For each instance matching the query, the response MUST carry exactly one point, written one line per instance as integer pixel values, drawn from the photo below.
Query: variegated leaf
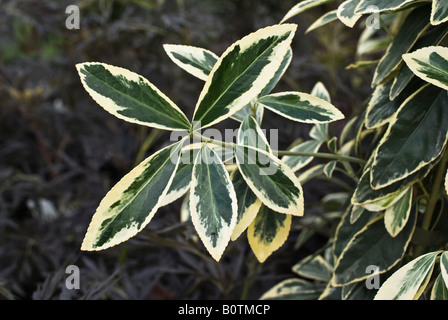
(430, 64)
(301, 107)
(272, 181)
(408, 282)
(196, 61)
(182, 177)
(346, 13)
(346, 230)
(439, 290)
(366, 246)
(439, 12)
(444, 267)
(213, 203)
(268, 232)
(415, 137)
(130, 205)
(320, 91)
(314, 267)
(377, 6)
(241, 73)
(396, 216)
(323, 20)
(432, 37)
(248, 204)
(413, 27)
(130, 97)
(446, 182)
(303, 6)
(385, 202)
(250, 134)
(298, 162)
(294, 289)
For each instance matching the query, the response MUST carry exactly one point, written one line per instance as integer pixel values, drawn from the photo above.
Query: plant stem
(426, 223)
(286, 152)
(320, 155)
(434, 197)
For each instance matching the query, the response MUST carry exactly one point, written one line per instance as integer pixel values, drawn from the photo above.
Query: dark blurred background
(60, 152)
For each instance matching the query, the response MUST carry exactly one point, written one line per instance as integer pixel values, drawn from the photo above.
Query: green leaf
(413, 27)
(439, 12)
(301, 107)
(298, 162)
(314, 267)
(268, 232)
(377, 6)
(130, 205)
(430, 64)
(444, 267)
(294, 289)
(396, 216)
(432, 37)
(346, 13)
(213, 203)
(272, 181)
(248, 204)
(439, 290)
(320, 91)
(323, 20)
(366, 246)
(303, 6)
(130, 97)
(196, 61)
(408, 282)
(346, 230)
(414, 138)
(241, 73)
(329, 168)
(250, 134)
(241, 114)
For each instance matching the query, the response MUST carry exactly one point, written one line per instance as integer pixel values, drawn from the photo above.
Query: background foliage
(60, 153)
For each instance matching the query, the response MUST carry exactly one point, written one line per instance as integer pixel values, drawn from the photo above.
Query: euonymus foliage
(260, 192)
(393, 220)
(394, 229)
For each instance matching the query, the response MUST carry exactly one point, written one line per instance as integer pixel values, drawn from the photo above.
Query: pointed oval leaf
(396, 216)
(297, 163)
(130, 97)
(314, 267)
(294, 289)
(303, 6)
(130, 205)
(301, 107)
(196, 61)
(272, 181)
(377, 6)
(413, 27)
(268, 232)
(408, 282)
(213, 204)
(320, 91)
(366, 246)
(346, 13)
(430, 64)
(414, 138)
(242, 72)
(439, 290)
(444, 267)
(439, 12)
(323, 20)
(250, 134)
(248, 204)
